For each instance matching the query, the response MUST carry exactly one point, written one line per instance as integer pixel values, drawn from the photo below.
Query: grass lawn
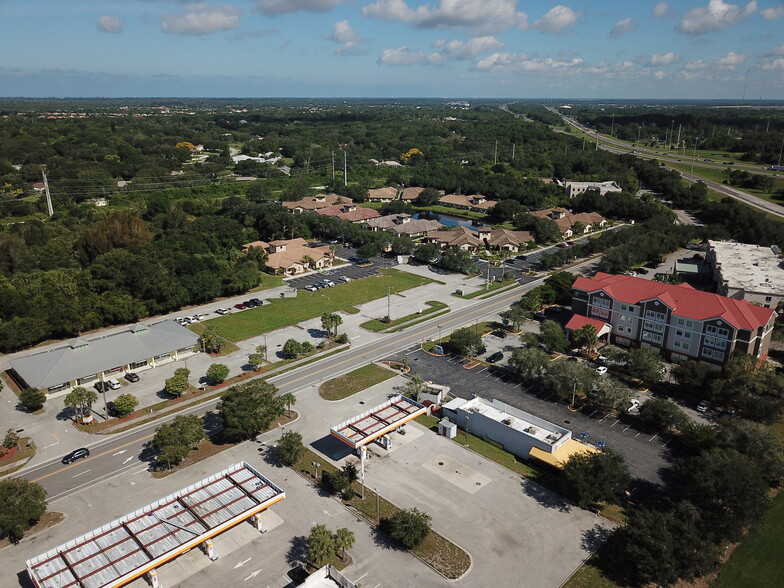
(283, 312)
(377, 326)
(757, 560)
(353, 382)
(589, 576)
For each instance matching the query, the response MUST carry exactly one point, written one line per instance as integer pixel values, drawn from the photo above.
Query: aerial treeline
(751, 134)
(74, 274)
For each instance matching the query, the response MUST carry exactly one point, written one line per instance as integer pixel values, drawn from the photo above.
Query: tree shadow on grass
(545, 497)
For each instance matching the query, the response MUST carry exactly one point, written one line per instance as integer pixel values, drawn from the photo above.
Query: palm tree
(343, 539)
(289, 400)
(321, 544)
(80, 400)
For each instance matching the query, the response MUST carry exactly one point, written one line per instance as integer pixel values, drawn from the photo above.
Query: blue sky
(393, 48)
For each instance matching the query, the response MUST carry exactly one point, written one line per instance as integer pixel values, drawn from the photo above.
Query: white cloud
(345, 36)
(403, 56)
(777, 50)
(623, 27)
(730, 60)
(109, 24)
(773, 59)
(559, 20)
(525, 63)
(458, 50)
(659, 59)
(278, 7)
(661, 10)
(717, 15)
(201, 19)
(773, 13)
(480, 18)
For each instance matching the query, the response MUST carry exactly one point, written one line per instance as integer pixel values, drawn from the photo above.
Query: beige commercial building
(747, 272)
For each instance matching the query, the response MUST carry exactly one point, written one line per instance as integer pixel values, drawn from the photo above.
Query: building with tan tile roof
(476, 202)
(403, 224)
(387, 194)
(293, 256)
(460, 237)
(349, 212)
(316, 202)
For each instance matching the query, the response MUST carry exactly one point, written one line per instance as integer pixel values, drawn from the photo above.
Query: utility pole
(345, 168)
(612, 126)
(693, 157)
(672, 132)
(678, 142)
(638, 134)
(780, 150)
(48, 195)
(389, 292)
(513, 146)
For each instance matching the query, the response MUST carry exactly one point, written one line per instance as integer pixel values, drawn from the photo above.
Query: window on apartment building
(655, 316)
(623, 341)
(680, 345)
(658, 327)
(681, 334)
(623, 329)
(681, 322)
(711, 330)
(602, 302)
(627, 308)
(768, 298)
(653, 337)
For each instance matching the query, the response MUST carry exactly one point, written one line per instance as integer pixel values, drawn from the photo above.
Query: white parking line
(82, 473)
(482, 370)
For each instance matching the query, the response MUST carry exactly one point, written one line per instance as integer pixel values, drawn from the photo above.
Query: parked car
(240, 306)
(345, 279)
(522, 257)
(222, 311)
(500, 333)
(601, 370)
(497, 356)
(634, 404)
(540, 316)
(81, 453)
(113, 384)
(256, 301)
(131, 377)
(602, 359)
(101, 386)
(703, 406)
(328, 283)
(563, 245)
(198, 316)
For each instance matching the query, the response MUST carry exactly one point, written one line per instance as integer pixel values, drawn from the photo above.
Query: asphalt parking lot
(645, 452)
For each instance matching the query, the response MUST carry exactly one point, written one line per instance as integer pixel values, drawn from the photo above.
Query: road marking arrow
(127, 459)
(326, 512)
(119, 452)
(252, 575)
(242, 563)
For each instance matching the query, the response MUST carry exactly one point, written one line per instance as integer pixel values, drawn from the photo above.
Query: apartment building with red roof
(679, 321)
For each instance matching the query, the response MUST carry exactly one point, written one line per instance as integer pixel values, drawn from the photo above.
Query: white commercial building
(747, 272)
(576, 188)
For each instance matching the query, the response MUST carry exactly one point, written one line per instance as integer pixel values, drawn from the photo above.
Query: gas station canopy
(126, 548)
(376, 422)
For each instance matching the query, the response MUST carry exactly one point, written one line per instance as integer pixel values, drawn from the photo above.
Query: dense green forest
(171, 232)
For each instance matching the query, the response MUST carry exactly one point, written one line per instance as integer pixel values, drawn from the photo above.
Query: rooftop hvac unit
(532, 430)
(507, 421)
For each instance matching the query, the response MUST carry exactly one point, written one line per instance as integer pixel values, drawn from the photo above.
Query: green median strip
(353, 382)
(377, 325)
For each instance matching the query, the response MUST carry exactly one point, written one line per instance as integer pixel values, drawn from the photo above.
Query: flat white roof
(372, 424)
(752, 268)
(516, 419)
(126, 548)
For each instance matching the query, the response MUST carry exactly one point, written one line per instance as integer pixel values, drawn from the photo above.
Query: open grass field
(757, 561)
(353, 382)
(283, 312)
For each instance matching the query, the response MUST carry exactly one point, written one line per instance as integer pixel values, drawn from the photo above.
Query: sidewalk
(54, 434)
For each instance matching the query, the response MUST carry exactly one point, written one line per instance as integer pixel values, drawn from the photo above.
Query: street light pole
(439, 334)
(378, 507)
(265, 348)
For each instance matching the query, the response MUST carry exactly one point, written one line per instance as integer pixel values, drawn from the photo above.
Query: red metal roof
(684, 300)
(579, 321)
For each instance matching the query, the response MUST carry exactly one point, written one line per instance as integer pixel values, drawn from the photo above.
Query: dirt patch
(49, 519)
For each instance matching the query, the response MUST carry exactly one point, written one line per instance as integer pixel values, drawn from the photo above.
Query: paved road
(621, 147)
(117, 453)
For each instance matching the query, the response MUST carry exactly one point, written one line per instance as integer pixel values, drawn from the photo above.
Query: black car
(102, 386)
(131, 377)
(76, 454)
(255, 302)
(500, 333)
(497, 356)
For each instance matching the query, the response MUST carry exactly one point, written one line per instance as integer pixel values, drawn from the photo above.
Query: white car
(634, 404)
(601, 370)
(198, 316)
(345, 279)
(113, 384)
(222, 311)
